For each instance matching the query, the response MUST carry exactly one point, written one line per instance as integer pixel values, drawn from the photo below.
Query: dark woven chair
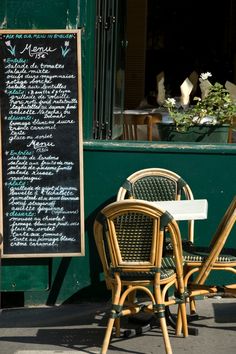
(157, 184)
(129, 237)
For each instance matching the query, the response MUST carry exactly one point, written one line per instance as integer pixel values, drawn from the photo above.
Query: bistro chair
(157, 184)
(129, 238)
(201, 261)
(132, 122)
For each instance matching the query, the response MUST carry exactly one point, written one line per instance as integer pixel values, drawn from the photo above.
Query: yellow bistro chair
(129, 238)
(159, 184)
(201, 261)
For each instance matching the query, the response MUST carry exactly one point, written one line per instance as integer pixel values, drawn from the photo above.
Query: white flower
(8, 43)
(67, 44)
(208, 120)
(204, 76)
(171, 101)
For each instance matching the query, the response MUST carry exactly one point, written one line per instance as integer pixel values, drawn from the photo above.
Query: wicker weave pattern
(165, 273)
(168, 263)
(154, 188)
(201, 257)
(198, 254)
(157, 184)
(134, 235)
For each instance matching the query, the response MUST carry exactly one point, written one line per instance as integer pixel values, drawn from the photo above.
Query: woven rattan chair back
(129, 237)
(130, 229)
(157, 184)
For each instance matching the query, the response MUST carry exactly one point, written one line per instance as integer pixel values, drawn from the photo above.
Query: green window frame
(109, 63)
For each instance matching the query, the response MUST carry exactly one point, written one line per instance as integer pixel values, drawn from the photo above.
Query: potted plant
(208, 120)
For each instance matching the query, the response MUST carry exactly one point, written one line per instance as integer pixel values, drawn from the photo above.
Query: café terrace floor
(80, 328)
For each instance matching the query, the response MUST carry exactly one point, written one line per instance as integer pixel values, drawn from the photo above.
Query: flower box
(202, 133)
(216, 107)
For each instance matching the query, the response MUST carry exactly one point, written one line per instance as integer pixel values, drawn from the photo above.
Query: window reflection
(180, 40)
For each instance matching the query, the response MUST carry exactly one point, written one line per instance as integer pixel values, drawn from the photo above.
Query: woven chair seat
(200, 254)
(165, 273)
(167, 270)
(168, 262)
(197, 254)
(193, 253)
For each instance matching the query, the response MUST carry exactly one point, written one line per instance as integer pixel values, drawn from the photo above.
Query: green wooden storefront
(209, 169)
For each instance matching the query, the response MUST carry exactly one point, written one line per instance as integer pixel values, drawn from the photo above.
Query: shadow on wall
(97, 288)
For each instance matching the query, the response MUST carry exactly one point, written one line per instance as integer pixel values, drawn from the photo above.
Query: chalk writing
(37, 52)
(40, 142)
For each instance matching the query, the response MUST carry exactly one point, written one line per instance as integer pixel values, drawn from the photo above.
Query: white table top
(165, 115)
(195, 209)
(139, 111)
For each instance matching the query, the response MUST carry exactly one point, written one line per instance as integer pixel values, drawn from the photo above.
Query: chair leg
(178, 324)
(107, 337)
(117, 327)
(183, 324)
(186, 329)
(192, 306)
(165, 335)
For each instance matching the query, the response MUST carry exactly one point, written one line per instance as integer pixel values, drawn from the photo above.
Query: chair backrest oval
(132, 234)
(157, 184)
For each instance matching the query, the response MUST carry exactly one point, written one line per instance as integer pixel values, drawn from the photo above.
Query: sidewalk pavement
(80, 329)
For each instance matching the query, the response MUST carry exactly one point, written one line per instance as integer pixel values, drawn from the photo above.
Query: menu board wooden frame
(42, 204)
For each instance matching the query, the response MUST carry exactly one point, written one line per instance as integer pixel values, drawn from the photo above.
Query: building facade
(107, 159)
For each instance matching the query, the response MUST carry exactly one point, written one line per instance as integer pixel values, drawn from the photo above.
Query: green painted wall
(209, 170)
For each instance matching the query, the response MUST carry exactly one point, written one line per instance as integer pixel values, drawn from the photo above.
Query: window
(136, 40)
(109, 71)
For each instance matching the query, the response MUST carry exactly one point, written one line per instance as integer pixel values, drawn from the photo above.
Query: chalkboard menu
(41, 143)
